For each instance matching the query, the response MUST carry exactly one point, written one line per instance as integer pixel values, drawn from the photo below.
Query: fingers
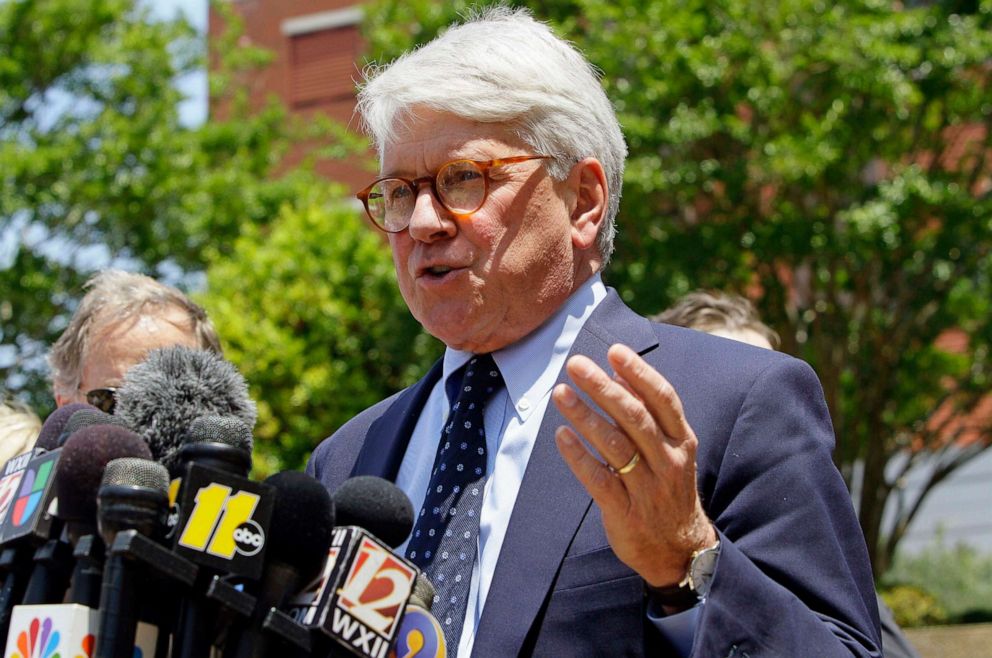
(657, 393)
(611, 443)
(605, 488)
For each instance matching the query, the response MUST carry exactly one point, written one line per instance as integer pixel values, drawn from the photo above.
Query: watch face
(701, 570)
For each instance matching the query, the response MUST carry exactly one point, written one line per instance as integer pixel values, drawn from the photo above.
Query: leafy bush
(912, 606)
(958, 577)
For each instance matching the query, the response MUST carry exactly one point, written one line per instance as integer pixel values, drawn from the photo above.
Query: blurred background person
(120, 319)
(19, 427)
(733, 316)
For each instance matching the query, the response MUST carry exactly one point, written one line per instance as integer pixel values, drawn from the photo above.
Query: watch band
(693, 587)
(682, 597)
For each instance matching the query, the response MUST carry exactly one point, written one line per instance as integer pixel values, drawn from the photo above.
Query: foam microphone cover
(48, 438)
(84, 457)
(302, 521)
(377, 505)
(172, 387)
(85, 418)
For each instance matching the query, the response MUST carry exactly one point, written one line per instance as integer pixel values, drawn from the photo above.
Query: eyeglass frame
(101, 405)
(483, 165)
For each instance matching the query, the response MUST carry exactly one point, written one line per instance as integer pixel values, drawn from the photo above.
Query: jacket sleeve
(793, 577)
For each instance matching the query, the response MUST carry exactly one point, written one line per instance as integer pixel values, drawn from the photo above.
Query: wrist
(694, 585)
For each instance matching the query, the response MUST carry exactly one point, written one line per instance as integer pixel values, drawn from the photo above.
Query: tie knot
(480, 378)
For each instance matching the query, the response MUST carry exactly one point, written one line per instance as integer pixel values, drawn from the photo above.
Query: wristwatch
(695, 586)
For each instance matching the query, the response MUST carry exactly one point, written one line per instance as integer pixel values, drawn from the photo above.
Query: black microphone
(377, 505)
(163, 395)
(299, 536)
(365, 594)
(84, 458)
(133, 496)
(53, 560)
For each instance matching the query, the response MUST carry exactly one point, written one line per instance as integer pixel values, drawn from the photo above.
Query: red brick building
(317, 47)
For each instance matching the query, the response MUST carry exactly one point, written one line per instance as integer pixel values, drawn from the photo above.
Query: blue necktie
(446, 534)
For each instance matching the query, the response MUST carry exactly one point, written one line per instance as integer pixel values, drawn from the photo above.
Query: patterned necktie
(446, 534)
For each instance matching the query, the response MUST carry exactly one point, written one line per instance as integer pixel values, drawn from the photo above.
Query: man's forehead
(429, 143)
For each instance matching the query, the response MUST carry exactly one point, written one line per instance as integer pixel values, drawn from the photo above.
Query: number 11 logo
(220, 524)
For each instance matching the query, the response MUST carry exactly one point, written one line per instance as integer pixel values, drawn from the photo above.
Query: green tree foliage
(96, 165)
(830, 160)
(310, 312)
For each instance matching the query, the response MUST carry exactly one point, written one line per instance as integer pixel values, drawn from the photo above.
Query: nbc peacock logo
(39, 641)
(88, 644)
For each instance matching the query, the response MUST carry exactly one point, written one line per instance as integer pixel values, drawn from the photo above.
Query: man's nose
(430, 220)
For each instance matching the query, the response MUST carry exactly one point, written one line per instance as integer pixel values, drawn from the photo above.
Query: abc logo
(249, 538)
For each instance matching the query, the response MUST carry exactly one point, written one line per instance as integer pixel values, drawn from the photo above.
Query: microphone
(53, 560)
(133, 496)
(87, 418)
(223, 526)
(48, 437)
(80, 463)
(84, 458)
(367, 589)
(162, 396)
(377, 505)
(299, 536)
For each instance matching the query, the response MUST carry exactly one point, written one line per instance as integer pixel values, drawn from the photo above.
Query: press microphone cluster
(141, 533)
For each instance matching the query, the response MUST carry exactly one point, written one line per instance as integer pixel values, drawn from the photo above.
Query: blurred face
(117, 347)
(482, 282)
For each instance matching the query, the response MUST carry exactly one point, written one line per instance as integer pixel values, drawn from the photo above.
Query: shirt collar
(530, 366)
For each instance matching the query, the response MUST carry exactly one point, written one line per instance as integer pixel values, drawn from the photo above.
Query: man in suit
(622, 487)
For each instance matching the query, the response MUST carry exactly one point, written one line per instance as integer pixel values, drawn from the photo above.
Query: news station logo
(222, 520)
(13, 471)
(221, 523)
(370, 601)
(419, 636)
(27, 511)
(303, 607)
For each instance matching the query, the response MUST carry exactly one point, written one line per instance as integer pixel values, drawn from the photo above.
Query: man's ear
(587, 181)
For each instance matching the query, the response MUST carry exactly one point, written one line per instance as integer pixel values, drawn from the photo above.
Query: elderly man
(599, 485)
(121, 318)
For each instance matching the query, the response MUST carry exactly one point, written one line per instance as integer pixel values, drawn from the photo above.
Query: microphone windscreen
(54, 425)
(84, 457)
(86, 418)
(172, 387)
(302, 521)
(423, 592)
(136, 472)
(376, 505)
(220, 429)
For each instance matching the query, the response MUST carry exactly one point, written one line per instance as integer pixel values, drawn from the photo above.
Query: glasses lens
(103, 399)
(462, 186)
(390, 203)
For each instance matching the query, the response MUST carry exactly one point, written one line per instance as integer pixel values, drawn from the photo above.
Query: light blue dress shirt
(530, 368)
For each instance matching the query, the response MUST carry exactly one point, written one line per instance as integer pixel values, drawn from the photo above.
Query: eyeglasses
(104, 399)
(460, 186)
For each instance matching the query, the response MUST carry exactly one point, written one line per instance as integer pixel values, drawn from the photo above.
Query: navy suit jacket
(793, 578)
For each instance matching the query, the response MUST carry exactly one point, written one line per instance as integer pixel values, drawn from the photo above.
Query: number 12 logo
(221, 524)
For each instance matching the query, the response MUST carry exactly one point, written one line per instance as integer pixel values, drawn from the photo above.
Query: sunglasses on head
(104, 399)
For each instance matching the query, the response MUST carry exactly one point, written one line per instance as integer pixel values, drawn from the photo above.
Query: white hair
(19, 428)
(502, 66)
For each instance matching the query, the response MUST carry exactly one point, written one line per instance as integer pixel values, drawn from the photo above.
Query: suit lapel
(387, 437)
(551, 503)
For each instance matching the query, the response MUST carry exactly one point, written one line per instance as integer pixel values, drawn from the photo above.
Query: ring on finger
(629, 466)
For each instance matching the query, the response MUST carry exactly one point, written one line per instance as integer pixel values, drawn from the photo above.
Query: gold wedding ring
(629, 466)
